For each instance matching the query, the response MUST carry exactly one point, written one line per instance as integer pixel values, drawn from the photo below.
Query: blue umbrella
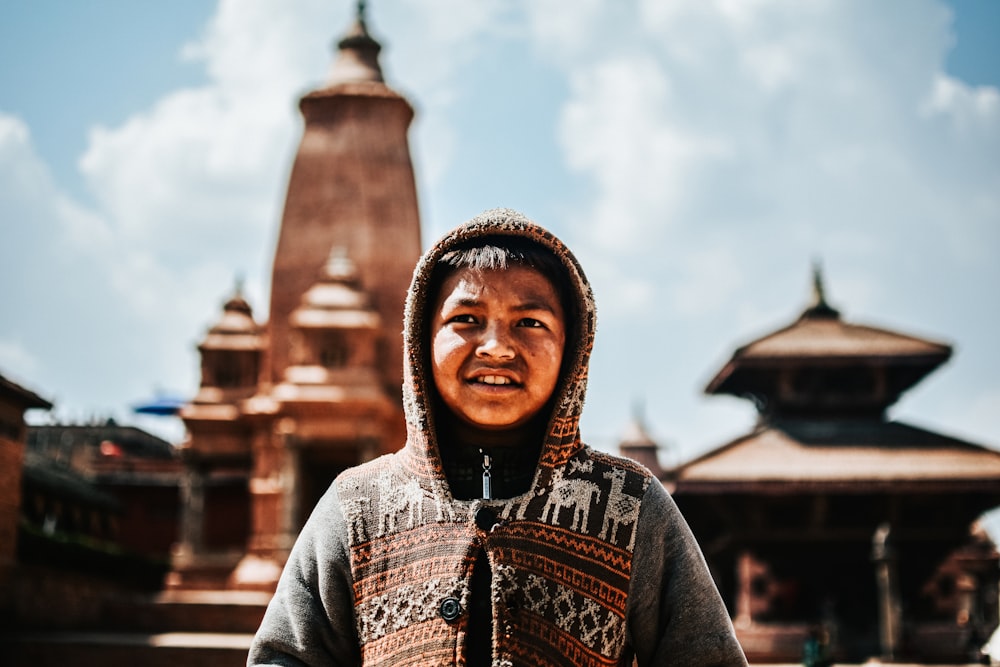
(166, 406)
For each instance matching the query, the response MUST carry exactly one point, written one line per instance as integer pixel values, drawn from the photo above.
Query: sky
(698, 156)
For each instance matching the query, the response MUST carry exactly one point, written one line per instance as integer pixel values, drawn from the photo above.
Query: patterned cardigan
(593, 565)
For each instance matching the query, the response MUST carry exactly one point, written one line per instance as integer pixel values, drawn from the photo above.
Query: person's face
(497, 341)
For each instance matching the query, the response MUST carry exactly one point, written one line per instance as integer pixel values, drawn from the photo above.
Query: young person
(495, 536)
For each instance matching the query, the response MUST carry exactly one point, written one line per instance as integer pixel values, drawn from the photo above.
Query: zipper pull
(487, 475)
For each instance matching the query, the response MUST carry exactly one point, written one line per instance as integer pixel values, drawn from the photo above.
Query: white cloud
(24, 174)
(266, 49)
(972, 109)
(710, 279)
(617, 128)
(41, 224)
(198, 176)
(75, 309)
(568, 35)
(713, 148)
(752, 137)
(451, 26)
(188, 193)
(799, 125)
(195, 173)
(16, 360)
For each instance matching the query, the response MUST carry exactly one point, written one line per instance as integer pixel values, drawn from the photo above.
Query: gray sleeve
(674, 614)
(310, 619)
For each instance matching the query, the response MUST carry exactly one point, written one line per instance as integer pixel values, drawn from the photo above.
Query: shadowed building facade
(830, 517)
(14, 401)
(285, 406)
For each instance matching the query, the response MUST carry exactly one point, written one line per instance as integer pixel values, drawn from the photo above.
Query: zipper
(487, 475)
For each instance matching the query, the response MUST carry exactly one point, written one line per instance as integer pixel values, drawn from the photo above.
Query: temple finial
(237, 301)
(639, 410)
(819, 308)
(357, 53)
(819, 293)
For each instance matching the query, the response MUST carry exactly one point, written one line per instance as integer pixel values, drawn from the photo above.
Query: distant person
(495, 537)
(814, 653)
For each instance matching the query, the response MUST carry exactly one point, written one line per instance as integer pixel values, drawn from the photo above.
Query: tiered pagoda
(833, 520)
(286, 405)
(636, 443)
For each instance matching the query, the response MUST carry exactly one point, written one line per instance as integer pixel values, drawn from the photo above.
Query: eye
(463, 318)
(532, 323)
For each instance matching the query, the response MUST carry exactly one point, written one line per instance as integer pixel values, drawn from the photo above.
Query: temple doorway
(319, 465)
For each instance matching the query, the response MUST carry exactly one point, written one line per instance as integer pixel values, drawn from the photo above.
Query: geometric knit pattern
(561, 563)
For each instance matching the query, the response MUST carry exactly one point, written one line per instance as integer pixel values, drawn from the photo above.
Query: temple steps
(191, 628)
(227, 612)
(69, 649)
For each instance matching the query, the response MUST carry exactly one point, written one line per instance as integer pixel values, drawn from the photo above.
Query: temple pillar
(889, 615)
(747, 568)
(272, 492)
(192, 528)
(291, 501)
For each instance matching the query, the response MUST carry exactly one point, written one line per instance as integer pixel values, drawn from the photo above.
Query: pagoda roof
(852, 455)
(638, 445)
(15, 394)
(132, 440)
(336, 300)
(820, 337)
(64, 482)
(236, 328)
(829, 338)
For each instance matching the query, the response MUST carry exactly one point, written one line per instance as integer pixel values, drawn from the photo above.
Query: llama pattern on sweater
(561, 558)
(621, 509)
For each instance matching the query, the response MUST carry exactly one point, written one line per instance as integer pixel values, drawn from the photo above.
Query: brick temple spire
(357, 56)
(351, 186)
(332, 395)
(328, 394)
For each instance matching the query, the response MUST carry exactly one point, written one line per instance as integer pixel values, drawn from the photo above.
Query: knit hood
(562, 433)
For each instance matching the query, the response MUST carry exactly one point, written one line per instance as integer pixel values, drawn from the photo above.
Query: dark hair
(497, 253)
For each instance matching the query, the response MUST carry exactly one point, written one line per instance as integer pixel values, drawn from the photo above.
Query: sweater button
(486, 518)
(450, 609)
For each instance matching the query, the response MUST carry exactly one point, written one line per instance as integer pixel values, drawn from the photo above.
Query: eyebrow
(535, 305)
(532, 304)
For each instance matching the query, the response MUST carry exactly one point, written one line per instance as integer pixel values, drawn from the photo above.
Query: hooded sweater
(592, 565)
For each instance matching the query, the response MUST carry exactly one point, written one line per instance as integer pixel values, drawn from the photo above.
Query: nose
(495, 343)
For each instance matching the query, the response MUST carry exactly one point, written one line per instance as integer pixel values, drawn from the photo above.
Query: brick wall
(11, 461)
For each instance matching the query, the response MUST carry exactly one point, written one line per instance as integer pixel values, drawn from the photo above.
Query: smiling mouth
(495, 380)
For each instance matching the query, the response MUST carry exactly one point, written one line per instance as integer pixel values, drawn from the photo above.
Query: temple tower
(330, 395)
(322, 390)
(636, 443)
(214, 500)
(351, 186)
